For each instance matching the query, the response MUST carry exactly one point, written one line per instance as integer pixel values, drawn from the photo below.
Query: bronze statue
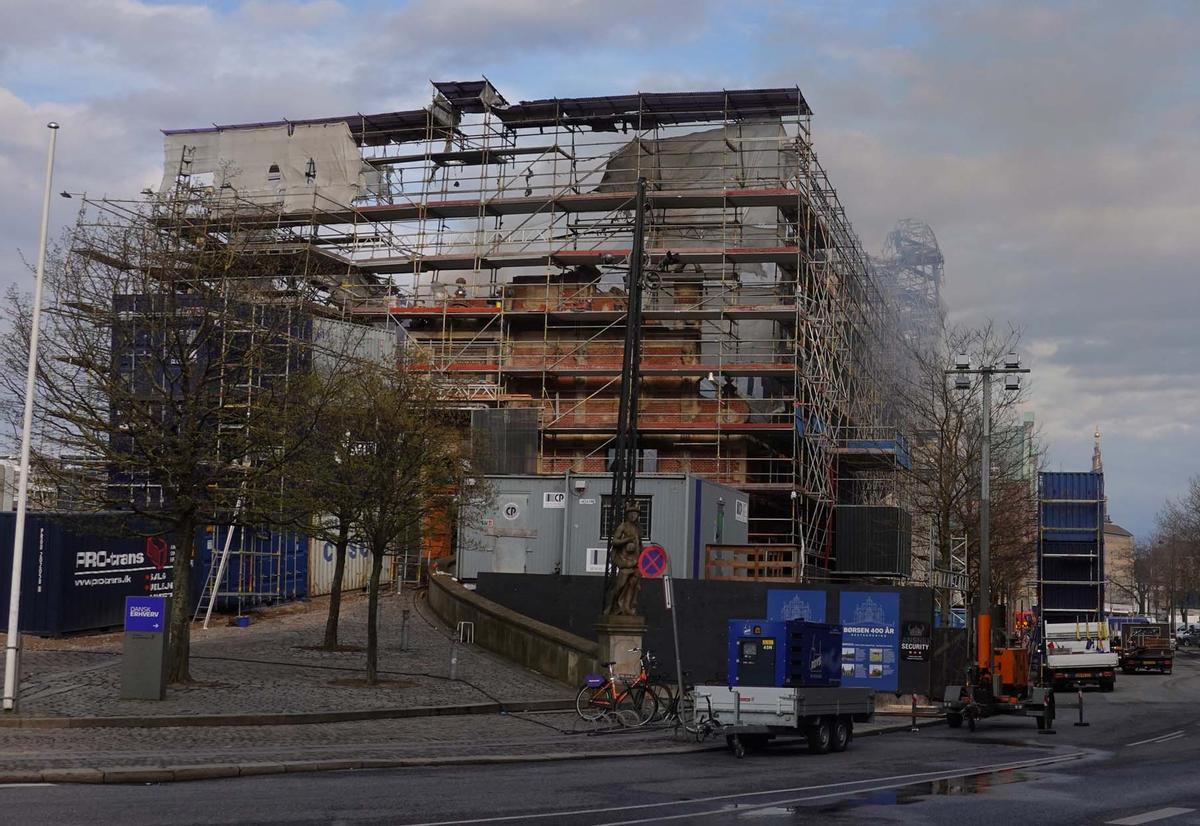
(626, 548)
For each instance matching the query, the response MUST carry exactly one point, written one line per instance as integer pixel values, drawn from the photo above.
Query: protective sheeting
(335, 342)
(749, 155)
(293, 166)
(738, 155)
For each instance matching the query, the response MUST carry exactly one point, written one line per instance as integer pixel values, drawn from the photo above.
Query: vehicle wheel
(593, 703)
(954, 719)
(841, 734)
(820, 737)
(1108, 685)
(665, 697)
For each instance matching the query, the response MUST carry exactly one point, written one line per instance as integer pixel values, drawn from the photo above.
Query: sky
(1054, 148)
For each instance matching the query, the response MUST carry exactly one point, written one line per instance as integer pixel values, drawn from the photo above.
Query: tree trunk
(335, 591)
(181, 619)
(373, 616)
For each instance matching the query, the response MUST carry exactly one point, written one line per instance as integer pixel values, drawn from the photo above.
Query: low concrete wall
(543, 648)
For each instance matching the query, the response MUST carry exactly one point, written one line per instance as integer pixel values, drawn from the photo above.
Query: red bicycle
(632, 703)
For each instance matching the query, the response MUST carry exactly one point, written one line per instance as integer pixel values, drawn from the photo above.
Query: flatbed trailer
(1146, 647)
(750, 716)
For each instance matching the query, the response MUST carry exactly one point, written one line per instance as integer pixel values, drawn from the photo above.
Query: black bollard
(914, 714)
(1079, 694)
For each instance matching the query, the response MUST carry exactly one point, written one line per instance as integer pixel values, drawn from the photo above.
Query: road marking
(907, 779)
(23, 785)
(1150, 817)
(1169, 736)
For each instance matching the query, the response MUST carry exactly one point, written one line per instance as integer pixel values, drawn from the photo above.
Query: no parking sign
(653, 561)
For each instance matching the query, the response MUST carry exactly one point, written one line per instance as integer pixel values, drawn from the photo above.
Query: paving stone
(271, 668)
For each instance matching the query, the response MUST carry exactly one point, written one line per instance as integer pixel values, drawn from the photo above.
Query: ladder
(216, 573)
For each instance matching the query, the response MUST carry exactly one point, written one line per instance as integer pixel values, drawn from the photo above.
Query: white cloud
(1052, 149)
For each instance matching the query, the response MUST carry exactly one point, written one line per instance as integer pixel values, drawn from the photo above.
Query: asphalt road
(1137, 762)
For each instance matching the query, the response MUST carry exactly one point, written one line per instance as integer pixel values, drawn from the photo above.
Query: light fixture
(962, 383)
(962, 362)
(1012, 361)
(1012, 382)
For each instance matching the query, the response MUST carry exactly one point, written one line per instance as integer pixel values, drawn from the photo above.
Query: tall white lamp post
(12, 645)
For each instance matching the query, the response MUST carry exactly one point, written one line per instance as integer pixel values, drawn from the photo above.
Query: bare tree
(1174, 556)
(167, 348)
(946, 452)
(410, 452)
(327, 496)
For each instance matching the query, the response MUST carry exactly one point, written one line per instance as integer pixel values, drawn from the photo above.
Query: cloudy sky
(1055, 149)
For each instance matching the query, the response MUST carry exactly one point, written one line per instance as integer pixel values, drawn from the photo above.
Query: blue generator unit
(784, 653)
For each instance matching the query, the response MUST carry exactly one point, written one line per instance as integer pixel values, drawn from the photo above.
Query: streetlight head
(1012, 361)
(1012, 382)
(962, 383)
(962, 362)
(52, 125)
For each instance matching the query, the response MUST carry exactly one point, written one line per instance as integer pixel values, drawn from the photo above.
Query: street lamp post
(12, 645)
(962, 371)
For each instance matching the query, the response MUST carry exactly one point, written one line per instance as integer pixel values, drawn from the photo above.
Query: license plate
(1085, 674)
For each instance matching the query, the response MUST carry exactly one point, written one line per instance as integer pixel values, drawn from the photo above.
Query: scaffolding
(493, 239)
(197, 254)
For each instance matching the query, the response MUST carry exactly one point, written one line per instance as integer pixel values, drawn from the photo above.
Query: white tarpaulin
(285, 165)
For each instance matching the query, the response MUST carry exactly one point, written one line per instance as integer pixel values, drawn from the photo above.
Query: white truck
(1078, 654)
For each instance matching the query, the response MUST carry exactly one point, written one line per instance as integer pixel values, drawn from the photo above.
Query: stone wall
(543, 648)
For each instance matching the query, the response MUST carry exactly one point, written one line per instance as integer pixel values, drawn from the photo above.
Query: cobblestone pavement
(533, 734)
(271, 667)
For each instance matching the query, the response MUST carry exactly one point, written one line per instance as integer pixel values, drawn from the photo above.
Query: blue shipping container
(1071, 546)
(265, 567)
(1085, 485)
(77, 569)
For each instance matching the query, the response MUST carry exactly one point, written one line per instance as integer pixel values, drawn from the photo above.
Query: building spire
(1098, 467)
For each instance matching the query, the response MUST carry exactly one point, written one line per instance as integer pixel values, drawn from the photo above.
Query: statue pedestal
(617, 634)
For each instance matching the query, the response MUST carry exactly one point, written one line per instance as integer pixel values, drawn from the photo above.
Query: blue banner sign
(146, 614)
(870, 639)
(796, 605)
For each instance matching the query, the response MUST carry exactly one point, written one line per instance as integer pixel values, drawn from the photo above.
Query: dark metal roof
(647, 109)
(642, 110)
(370, 130)
(474, 96)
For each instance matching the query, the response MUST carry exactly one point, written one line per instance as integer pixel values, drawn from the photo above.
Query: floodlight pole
(12, 643)
(984, 617)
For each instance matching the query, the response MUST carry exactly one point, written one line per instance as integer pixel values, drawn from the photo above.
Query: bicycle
(691, 710)
(602, 696)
